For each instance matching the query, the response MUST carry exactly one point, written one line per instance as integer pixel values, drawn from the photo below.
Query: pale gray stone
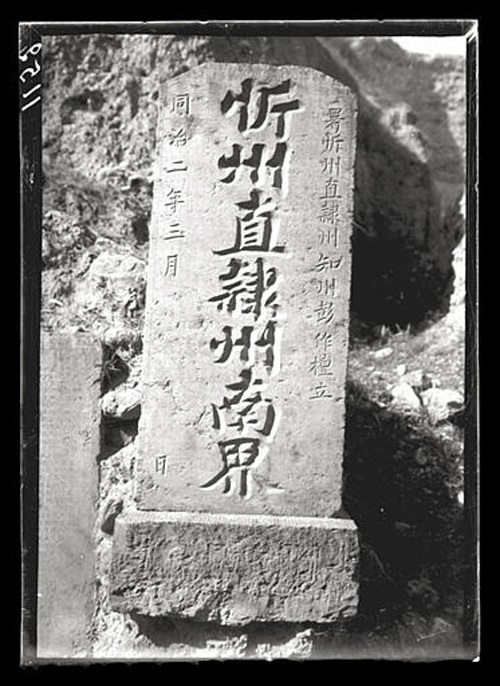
(235, 569)
(121, 403)
(196, 215)
(112, 280)
(123, 269)
(69, 445)
(111, 510)
(405, 398)
(382, 353)
(241, 434)
(441, 403)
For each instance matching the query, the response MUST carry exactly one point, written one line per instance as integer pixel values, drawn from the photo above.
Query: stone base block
(235, 569)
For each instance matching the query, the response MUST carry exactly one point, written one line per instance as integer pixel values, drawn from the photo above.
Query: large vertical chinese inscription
(248, 292)
(247, 419)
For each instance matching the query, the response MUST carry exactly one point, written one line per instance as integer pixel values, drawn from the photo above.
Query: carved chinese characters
(248, 293)
(247, 419)
(330, 259)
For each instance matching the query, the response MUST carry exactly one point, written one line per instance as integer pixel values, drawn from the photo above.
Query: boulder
(121, 404)
(382, 353)
(404, 398)
(441, 403)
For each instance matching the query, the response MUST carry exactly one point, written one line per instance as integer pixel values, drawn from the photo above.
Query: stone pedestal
(241, 437)
(235, 569)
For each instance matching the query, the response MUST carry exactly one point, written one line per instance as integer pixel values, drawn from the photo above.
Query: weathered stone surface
(69, 445)
(245, 356)
(111, 282)
(235, 569)
(216, 172)
(121, 403)
(405, 398)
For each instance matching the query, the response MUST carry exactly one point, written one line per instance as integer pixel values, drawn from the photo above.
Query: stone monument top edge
(255, 68)
(73, 339)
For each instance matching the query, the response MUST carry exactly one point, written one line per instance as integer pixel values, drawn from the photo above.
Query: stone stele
(245, 353)
(70, 370)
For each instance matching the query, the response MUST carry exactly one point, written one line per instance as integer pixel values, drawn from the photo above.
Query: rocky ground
(404, 425)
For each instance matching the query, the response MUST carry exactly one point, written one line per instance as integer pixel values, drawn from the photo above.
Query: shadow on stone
(115, 435)
(253, 640)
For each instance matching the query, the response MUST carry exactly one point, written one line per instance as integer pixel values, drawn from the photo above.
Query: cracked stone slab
(235, 569)
(70, 371)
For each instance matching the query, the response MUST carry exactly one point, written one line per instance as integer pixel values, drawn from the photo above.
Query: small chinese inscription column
(247, 317)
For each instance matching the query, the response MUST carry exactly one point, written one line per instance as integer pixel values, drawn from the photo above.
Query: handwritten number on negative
(32, 72)
(29, 73)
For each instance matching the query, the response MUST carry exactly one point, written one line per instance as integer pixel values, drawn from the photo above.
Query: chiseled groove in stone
(235, 569)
